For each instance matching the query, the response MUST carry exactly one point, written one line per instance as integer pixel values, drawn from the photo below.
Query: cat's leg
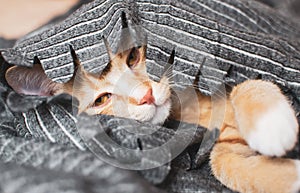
(242, 169)
(264, 117)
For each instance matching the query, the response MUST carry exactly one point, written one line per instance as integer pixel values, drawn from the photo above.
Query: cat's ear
(31, 81)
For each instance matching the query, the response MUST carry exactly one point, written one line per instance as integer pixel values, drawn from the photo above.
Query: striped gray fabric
(244, 34)
(183, 179)
(40, 153)
(54, 168)
(45, 141)
(41, 140)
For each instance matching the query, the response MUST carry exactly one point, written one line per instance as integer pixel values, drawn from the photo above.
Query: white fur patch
(162, 113)
(275, 132)
(296, 185)
(155, 113)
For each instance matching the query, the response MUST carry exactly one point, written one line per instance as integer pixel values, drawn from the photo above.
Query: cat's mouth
(161, 113)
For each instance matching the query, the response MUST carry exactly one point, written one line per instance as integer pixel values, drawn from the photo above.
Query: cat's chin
(162, 112)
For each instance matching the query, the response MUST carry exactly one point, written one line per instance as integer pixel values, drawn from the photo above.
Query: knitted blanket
(46, 147)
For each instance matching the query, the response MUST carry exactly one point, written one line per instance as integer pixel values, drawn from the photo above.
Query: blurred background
(290, 8)
(19, 17)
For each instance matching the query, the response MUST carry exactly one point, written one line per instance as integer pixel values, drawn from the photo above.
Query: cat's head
(122, 89)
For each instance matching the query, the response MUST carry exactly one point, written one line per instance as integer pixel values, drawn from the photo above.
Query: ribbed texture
(247, 35)
(41, 145)
(50, 167)
(46, 141)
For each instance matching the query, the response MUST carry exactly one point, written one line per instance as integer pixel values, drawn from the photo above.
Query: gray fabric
(41, 139)
(247, 35)
(56, 163)
(182, 179)
(49, 154)
(289, 8)
(6, 43)
(52, 168)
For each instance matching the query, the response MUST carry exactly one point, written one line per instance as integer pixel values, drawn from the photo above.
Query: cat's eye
(133, 58)
(102, 99)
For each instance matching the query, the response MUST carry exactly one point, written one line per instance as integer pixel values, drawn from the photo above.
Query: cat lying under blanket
(259, 124)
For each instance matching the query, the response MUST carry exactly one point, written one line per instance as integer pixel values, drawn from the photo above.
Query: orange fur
(242, 169)
(238, 166)
(233, 162)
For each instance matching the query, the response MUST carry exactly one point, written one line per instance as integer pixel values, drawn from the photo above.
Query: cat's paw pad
(275, 131)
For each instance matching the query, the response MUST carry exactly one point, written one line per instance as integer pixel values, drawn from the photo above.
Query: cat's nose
(148, 98)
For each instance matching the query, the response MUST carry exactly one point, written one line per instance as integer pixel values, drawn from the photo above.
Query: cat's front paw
(275, 131)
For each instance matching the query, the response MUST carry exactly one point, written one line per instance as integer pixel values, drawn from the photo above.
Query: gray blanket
(45, 147)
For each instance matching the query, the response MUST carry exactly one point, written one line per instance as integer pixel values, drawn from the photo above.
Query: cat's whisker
(188, 87)
(171, 75)
(168, 69)
(168, 72)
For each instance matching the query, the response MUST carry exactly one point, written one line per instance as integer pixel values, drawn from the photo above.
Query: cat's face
(123, 89)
